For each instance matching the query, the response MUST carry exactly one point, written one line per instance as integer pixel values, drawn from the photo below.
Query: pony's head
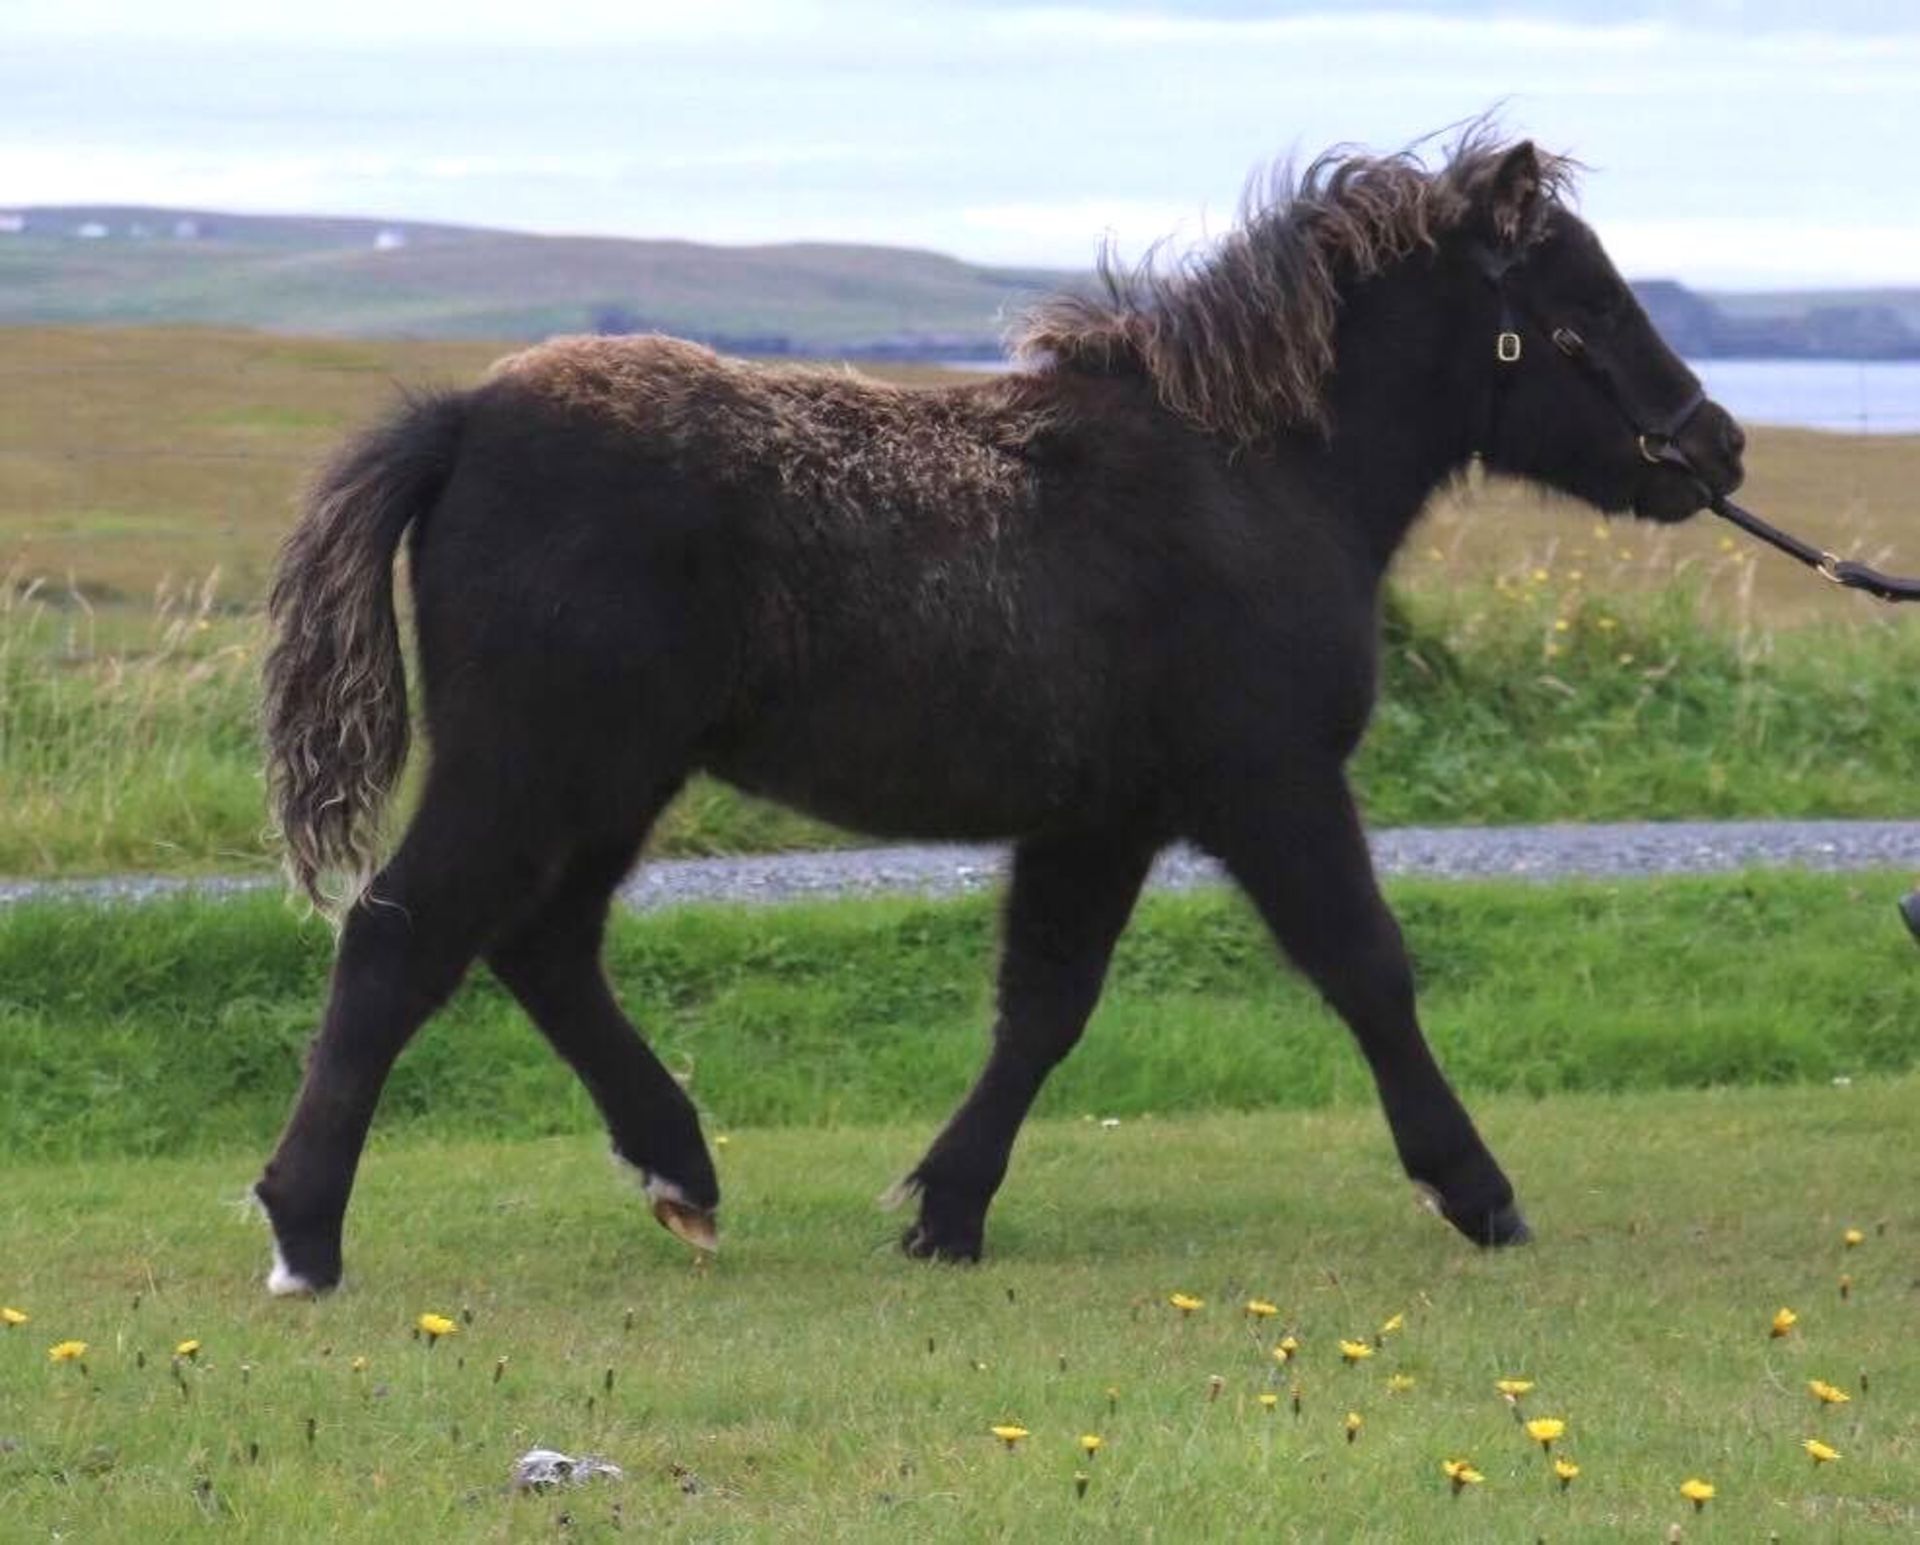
(1570, 384)
(1581, 394)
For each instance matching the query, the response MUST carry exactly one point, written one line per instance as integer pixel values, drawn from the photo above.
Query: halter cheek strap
(1495, 266)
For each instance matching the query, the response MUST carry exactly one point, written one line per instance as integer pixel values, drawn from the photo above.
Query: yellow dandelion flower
(66, 1351)
(1828, 1394)
(1820, 1452)
(1698, 1492)
(1461, 1474)
(1853, 1237)
(1355, 1421)
(1541, 576)
(1561, 625)
(189, 1348)
(1400, 1383)
(359, 1365)
(1545, 1429)
(13, 1317)
(1513, 1389)
(1398, 1322)
(721, 1140)
(1283, 1353)
(1625, 658)
(1186, 1303)
(1269, 1399)
(1726, 544)
(1606, 624)
(1008, 1434)
(1260, 1309)
(1090, 1443)
(1356, 1351)
(1783, 1321)
(434, 1326)
(1566, 1471)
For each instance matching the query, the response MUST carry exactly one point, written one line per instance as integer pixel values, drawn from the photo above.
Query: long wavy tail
(336, 721)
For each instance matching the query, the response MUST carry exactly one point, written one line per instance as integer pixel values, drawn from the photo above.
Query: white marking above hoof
(661, 1189)
(284, 1282)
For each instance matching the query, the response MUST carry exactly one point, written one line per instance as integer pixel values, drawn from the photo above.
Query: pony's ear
(1513, 195)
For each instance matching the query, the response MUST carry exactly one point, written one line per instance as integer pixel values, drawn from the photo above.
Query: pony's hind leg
(1302, 858)
(1069, 900)
(404, 947)
(551, 964)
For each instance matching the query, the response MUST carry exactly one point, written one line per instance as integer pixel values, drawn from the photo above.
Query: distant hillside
(1839, 324)
(371, 278)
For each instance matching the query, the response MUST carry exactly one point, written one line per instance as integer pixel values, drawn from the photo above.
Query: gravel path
(1522, 852)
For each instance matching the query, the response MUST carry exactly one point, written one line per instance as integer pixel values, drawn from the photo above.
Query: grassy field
(167, 1027)
(146, 478)
(812, 1384)
(134, 455)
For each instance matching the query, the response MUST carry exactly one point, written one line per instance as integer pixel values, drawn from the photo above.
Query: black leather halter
(1656, 434)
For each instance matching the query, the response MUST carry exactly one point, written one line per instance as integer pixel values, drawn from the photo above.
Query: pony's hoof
(923, 1242)
(1486, 1227)
(306, 1263)
(691, 1225)
(283, 1281)
(1504, 1226)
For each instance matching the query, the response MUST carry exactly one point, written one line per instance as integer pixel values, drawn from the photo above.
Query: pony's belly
(932, 782)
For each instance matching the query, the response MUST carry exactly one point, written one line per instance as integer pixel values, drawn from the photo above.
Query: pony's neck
(1402, 399)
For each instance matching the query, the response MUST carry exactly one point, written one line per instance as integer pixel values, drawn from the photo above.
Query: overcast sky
(1764, 145)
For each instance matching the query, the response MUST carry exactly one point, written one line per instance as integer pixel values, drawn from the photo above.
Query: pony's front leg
(1302, 858)
(1068, 901)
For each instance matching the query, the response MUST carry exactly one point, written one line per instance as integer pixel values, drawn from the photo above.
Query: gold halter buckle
(1506, 348)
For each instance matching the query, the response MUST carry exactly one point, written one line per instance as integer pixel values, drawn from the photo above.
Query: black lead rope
(1658, 438)
(1842, 571)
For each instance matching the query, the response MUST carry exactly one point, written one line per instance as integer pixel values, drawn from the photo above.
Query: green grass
(180, 1026)
(1542, 699)
(812, 1384)
(129, 746)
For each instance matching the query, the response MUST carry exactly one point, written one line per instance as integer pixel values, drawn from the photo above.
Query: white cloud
(1765, 252)
(1032, 232)
(451, 23)
(1000, 133)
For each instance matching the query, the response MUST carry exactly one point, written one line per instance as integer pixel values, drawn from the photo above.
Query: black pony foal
(1123, 597)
